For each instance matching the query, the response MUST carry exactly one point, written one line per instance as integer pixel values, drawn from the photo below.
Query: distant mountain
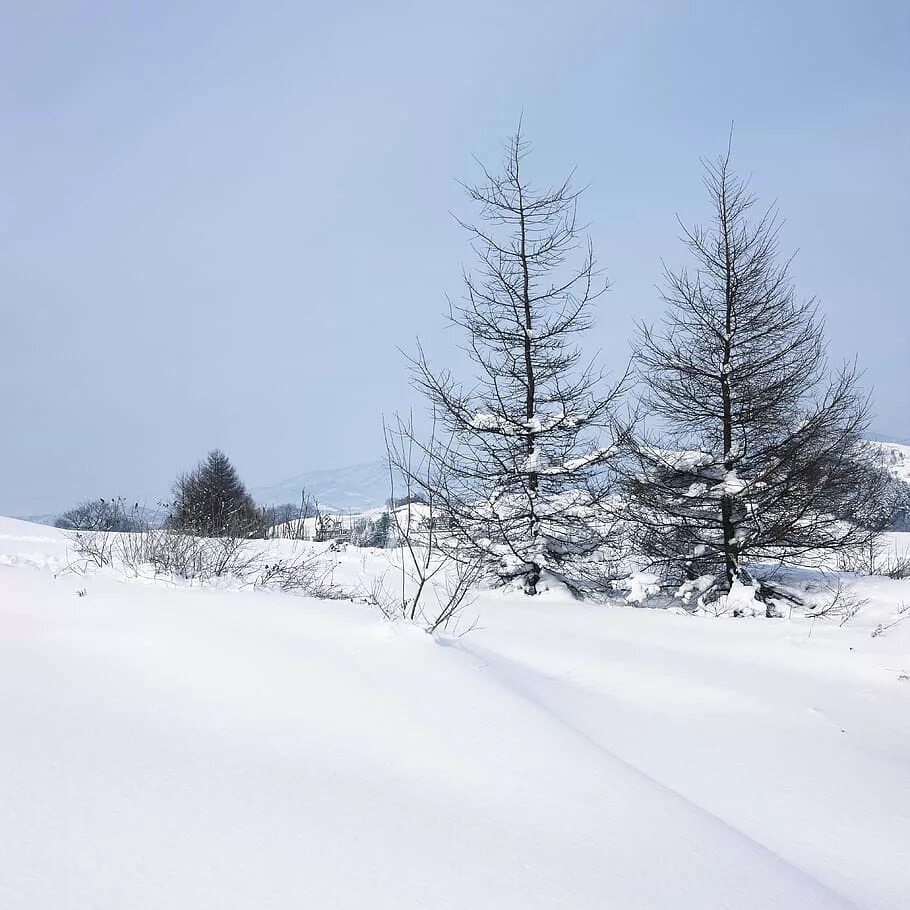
(358, 487)
(46, 519)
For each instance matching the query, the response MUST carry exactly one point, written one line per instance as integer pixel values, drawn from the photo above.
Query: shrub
(101, 515)
(372, 532)
(195, 558)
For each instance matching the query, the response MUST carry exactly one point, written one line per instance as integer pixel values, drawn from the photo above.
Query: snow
(730, 485)
(573, 465)
(743, 599)
(640, 586)
(695, 586)
(689, 460)
(896, 458)
(536, 424)
(483, 421)
(176, 746)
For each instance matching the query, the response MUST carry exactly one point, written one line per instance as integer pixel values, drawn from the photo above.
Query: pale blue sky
(218, 220)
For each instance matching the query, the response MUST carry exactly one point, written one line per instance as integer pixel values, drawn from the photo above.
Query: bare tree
(101, 515)
(416, 518)
(436, 574)
(762, 451)
(521, 467)
(288, 521)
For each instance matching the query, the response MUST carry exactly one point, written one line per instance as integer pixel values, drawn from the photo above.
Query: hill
(897, 459)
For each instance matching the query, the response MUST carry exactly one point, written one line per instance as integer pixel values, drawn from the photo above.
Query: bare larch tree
(762, 451)
(520, 465)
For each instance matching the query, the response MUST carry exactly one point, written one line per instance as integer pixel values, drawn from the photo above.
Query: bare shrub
(101, 515)
(435, 576)
(187, 556)
(380, 596)
(874, 558)
(456, 596)
(435, 607)
(94, 547)
(167, 552)
(415, 521)
(194, 558)
(841, 604)
(288, 522)
(903, 612)
(308, 574)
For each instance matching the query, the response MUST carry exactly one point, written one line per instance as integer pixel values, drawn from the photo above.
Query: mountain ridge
(365, 485)
(355, 487)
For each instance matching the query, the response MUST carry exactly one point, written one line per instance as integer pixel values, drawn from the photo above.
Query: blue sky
(219, 221)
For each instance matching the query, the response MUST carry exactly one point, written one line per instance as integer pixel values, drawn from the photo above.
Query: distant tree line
(211, 501)
(101, 515)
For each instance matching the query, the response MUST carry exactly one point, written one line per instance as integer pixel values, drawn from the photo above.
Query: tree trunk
(533, 575)
(728, 526)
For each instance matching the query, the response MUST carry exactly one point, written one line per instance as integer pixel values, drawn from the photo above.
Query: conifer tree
(521, 465)
(212, 501)
(761, 450)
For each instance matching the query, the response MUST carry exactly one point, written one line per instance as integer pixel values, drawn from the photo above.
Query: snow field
(177, 746)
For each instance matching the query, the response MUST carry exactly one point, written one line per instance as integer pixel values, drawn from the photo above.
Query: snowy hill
(897, 459)
(168, 745)
(356, 488)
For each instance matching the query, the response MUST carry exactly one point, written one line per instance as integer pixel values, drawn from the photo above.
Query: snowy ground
(167, 746)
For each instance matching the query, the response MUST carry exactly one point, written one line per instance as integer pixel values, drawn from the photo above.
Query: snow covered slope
(171, 746)
(896, 458)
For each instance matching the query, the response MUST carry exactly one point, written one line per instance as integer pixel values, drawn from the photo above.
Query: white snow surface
(169, 746)
(896, 458)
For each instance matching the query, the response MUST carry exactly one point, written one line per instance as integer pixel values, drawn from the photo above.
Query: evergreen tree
(372, 532)
(212, 501)
(379, 531)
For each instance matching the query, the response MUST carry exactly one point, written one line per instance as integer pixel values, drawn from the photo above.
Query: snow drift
(175, 746)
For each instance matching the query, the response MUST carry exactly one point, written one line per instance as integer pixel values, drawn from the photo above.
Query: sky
(219, 222)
